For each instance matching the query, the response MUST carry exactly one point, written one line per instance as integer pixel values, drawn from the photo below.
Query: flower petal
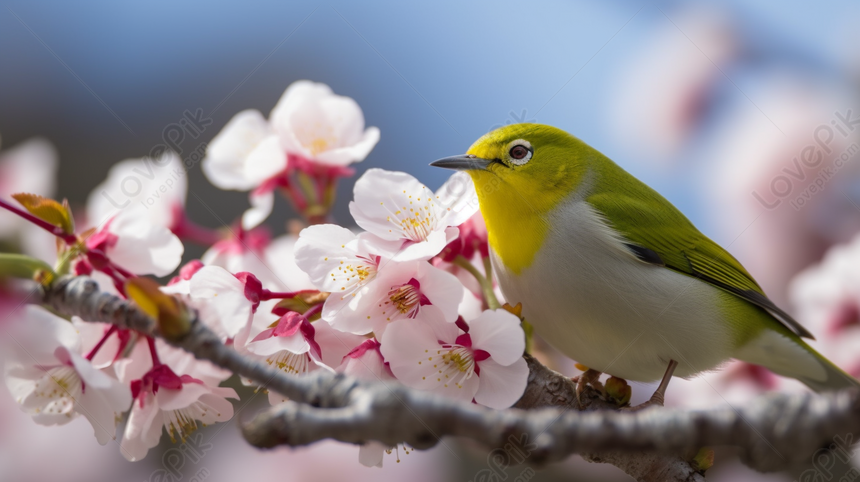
(265, 161)
(499, 333)
(458, 198)
(343, 156)
(221, 299)
(280, 257)
(295, 343)
(39, 335)
(433, 245)
(370, 454)
(334, 344)
(227, 152)
(144, 248)
(143, 428)
(442, 289)
(262, 201)
(501, 386)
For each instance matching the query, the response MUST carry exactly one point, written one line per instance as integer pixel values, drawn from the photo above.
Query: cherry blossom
(221, 298)
(54, 383)
(309, 126)
(413, 222)
(313, 122)
(230, 304)
(749, 158)
(247, 155)
(735, 382)
(174, 395)
(484, 364)
(413, 289)
(296, 346)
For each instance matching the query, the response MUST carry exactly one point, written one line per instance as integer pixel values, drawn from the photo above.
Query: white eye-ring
(520, 152)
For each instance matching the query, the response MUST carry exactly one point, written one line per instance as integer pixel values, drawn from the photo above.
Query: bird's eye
(520, 153)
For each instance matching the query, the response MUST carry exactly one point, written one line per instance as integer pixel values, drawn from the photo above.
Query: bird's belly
(618, 315)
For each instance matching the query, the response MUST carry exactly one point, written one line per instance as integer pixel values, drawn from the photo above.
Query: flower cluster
(397, 299)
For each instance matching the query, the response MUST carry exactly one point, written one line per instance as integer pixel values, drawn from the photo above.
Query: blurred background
(711, 103)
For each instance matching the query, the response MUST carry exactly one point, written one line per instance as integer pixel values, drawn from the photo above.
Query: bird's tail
(790, 356)
(837, 378)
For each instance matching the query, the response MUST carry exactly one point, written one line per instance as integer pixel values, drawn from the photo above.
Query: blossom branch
(774, 431)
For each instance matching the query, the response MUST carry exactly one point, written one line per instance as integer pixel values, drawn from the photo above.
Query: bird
(614, 276)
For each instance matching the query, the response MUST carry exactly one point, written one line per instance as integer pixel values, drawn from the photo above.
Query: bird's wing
(657, 233)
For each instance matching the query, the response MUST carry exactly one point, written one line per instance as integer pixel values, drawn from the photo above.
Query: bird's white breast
(589, 297)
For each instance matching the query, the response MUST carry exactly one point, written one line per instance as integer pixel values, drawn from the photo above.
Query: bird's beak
(465, 162)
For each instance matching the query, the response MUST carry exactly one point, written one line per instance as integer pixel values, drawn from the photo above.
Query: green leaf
(48, 210)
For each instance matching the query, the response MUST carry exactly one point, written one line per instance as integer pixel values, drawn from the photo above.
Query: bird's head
(521, 173)
(523, 168)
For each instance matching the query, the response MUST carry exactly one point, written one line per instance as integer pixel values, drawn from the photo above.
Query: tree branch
(774, 431)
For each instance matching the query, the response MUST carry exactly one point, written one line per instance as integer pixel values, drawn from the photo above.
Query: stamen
(56, 392)
(180, 424)
(183, 422)
(355, 274)
(405, 299)
(458, 365)
(289, 362)
(417, 222)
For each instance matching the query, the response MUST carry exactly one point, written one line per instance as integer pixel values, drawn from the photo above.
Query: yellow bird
(614, 276)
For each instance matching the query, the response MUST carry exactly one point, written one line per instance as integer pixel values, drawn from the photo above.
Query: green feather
(647, 220)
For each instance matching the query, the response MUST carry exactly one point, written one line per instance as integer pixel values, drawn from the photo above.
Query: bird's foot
(659, 395)
(589, 377)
